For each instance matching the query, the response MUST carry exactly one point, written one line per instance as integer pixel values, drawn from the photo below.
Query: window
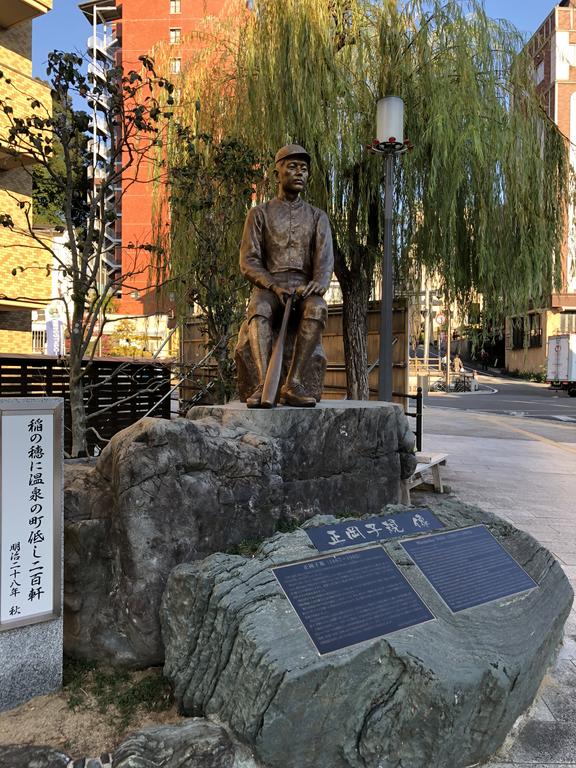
(568, 322)
(527, 331)
(175, 35)
(174, 6)
(517, 333)
(534, 330)
(175, 66)
(38, 342)
(539, 73)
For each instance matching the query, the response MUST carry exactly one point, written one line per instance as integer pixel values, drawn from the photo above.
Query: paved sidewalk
(524, 471)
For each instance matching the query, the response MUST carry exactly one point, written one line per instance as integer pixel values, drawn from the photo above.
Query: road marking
(539, 402)
(564, 418)
(539, 438)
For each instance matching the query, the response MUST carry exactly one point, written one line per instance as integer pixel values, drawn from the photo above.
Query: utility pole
(387, 292)
(448, 339)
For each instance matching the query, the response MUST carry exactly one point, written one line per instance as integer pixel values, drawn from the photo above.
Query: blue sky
(65, 28)
(526, 15)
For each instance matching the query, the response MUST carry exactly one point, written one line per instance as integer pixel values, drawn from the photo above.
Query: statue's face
(293, 174)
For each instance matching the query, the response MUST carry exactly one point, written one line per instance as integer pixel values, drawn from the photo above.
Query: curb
(485, 389)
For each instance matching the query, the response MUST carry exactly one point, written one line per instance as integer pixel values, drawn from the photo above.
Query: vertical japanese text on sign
(28, 558)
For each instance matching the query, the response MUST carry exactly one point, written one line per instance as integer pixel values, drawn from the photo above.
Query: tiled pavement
(524, 471)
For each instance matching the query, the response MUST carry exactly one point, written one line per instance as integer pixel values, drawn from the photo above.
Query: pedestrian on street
(457, 364)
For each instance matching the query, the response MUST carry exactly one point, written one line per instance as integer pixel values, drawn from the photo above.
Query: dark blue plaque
(352, 597)
(468, 567)
(327, 538)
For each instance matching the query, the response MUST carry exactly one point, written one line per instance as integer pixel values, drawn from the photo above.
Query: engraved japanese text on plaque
(348, 598)
(468, 567)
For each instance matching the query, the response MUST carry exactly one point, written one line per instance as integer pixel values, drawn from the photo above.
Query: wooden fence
(117, 392)
(332, 338)
(194, 348)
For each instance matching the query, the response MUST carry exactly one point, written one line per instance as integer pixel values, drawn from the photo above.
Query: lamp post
(389, 142)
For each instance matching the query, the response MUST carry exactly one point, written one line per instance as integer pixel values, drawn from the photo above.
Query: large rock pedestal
(439, 695)
(167, 492)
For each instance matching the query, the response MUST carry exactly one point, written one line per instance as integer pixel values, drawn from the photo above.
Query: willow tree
(480, 200)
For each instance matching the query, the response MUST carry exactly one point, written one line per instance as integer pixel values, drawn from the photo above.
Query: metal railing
(117, 392)
(417, 414)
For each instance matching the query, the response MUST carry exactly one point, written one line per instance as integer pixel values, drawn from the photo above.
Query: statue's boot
(260, 338)
(255, 398)
(293, 392)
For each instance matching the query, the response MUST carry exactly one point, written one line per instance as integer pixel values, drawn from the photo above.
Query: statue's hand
(312, 288)
(282, 293)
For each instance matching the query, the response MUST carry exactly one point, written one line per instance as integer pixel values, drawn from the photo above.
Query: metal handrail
(417, 414)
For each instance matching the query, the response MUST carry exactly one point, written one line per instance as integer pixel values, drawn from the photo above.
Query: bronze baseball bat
(272, 381)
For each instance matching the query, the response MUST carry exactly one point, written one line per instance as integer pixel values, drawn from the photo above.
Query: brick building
(22, 296)
(144, 24)
(127, 30)
(553, 49)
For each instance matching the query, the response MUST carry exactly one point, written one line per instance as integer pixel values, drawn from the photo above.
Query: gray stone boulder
(196, 744)
(27, 756)
(168, 492)
(443, 694)
(333, 448)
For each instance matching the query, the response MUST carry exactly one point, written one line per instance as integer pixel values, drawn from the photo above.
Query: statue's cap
(291, 150)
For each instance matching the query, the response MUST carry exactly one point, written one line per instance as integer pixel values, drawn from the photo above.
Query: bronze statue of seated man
(287, 250)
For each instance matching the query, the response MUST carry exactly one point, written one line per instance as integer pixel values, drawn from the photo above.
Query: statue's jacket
(286, 237)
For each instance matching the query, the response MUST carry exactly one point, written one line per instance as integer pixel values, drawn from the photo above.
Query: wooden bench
(428, 463)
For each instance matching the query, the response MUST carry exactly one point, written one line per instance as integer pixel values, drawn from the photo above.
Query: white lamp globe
(390, 120)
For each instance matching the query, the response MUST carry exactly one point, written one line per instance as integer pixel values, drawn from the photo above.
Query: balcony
(564, 300)
(109, 256)
(101, 11)
(100, 124)
(103, 152)
(96, 72)
(100, 102)
(16, 11)
(96, 173)
(102, 48)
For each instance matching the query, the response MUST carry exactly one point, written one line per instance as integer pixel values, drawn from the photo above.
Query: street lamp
(389, 142)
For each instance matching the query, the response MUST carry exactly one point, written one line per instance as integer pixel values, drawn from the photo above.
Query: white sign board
(30, 532)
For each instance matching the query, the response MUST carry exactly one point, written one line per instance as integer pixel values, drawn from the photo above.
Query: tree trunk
(227, 379)
(78, 417)
(217, 338)
(77, 410)
(355, 296)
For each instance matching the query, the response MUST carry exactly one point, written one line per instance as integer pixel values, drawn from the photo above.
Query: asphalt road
(550, 413)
